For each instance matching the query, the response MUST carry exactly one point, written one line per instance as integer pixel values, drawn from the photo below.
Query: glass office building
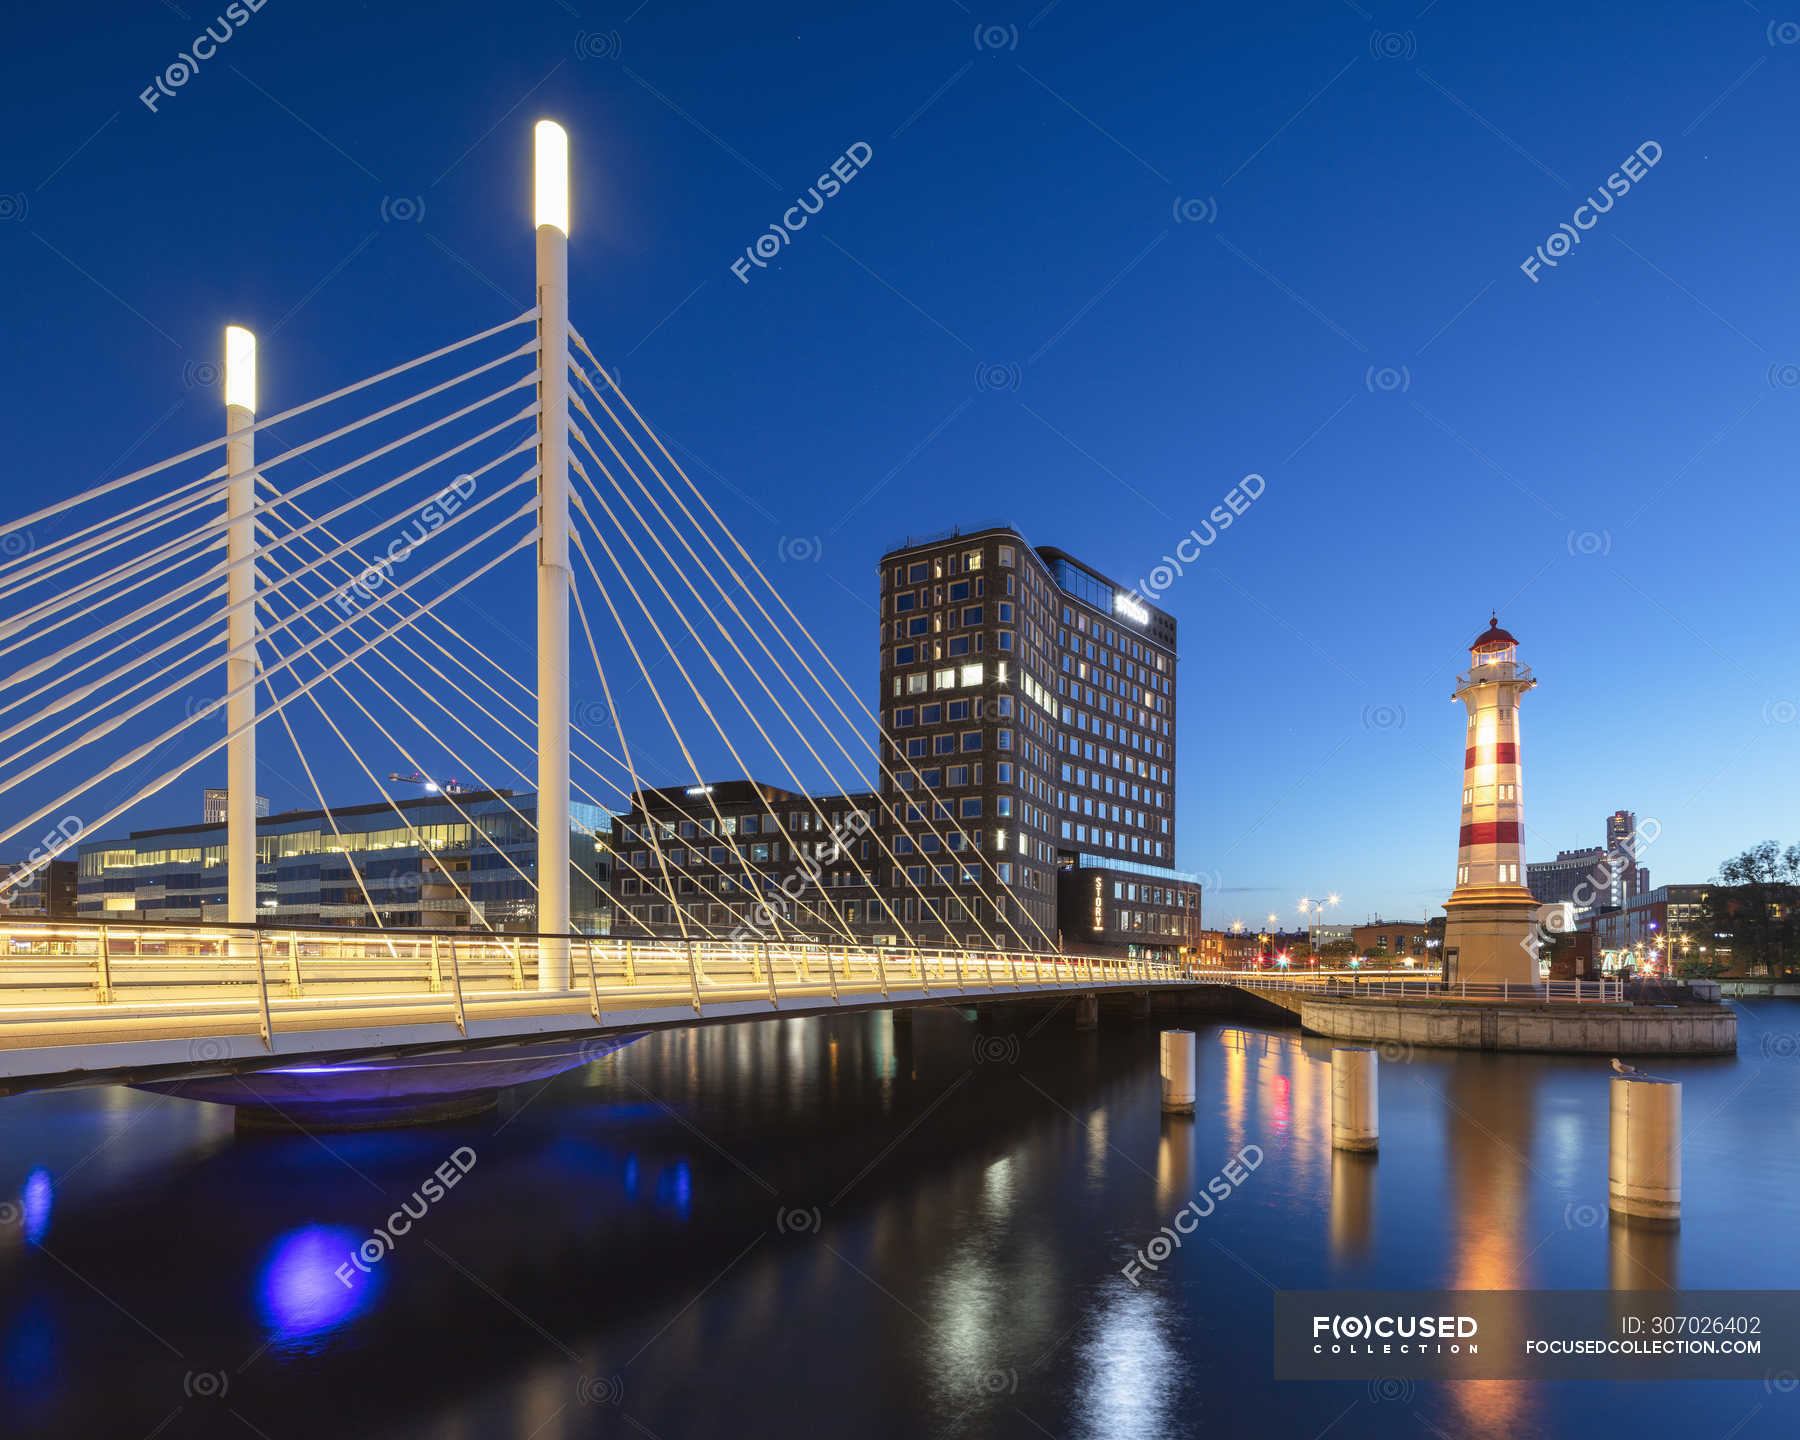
(463, 862)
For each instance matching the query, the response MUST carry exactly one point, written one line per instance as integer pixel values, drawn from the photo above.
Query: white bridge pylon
(326, 561)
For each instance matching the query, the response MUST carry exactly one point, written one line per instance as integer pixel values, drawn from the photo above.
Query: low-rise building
(1240, 947)
(43, 891)
(741, 858)
(1128, 910)
(434, 862)
(1651, 933)
(1398, 940)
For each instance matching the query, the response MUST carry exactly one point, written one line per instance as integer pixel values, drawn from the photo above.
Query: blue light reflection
(35, 1204)
(299, 1292)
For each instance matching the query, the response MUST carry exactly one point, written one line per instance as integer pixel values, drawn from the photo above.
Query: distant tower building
(213, 806)
(1621, 850)
(1491, 912)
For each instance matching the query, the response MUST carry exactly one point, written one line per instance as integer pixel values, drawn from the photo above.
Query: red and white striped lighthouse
(1491, 915)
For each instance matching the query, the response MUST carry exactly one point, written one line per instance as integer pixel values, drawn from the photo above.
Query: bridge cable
(699, 778)
(883, 768)
(958, 863)
(133, 756)
(400, 639)
(107, 487)
(817, 758)
(898, 750)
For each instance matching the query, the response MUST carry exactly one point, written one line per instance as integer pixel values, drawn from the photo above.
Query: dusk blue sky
(1103, 262)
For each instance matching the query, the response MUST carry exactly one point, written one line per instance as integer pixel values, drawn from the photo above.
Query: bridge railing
(1400, 985)
(74, 965)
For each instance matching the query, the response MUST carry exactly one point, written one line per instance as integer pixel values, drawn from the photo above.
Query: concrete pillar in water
(1179, 1053)
(1355, 1108)
(1645, 1169)
(1087, 1012)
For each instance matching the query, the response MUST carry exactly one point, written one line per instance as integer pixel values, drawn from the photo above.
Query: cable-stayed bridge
(287, 594)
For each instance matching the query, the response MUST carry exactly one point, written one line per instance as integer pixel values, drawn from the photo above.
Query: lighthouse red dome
(1494, 638)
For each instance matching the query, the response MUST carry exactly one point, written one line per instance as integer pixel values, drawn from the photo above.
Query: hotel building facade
(1027, 704)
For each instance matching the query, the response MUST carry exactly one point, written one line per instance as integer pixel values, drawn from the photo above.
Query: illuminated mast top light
(552, 168)
(240, 368)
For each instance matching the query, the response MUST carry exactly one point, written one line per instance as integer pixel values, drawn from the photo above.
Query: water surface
(842, 1226)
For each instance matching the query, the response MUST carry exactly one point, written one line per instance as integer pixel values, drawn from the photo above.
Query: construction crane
(447, 787)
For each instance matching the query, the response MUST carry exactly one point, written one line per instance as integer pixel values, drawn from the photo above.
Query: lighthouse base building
(1491, 923)
(1489, 941)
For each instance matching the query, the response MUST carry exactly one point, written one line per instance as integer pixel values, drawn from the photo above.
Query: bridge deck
(91, 1002)
(97, 1002)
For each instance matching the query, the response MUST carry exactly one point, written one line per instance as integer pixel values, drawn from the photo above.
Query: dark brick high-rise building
(1033, 701)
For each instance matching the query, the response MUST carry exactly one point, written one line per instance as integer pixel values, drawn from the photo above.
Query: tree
(1700, 967)
(1752, 905)
(1337, 949)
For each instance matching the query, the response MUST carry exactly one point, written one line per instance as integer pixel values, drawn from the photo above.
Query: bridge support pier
(1179, 1086)
(1087, 1012)
(1138, 1003)
(903, 1015)
(1355, 1109)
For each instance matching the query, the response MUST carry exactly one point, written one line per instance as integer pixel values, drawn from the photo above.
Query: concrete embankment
(1495, 1025)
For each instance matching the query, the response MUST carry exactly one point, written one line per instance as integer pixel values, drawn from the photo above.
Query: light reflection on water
(299, 1291)
(619, 1230)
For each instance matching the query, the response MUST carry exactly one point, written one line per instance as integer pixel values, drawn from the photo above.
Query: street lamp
(1316, 907)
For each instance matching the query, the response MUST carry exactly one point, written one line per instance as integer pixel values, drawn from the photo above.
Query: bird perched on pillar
(1621, 1068)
